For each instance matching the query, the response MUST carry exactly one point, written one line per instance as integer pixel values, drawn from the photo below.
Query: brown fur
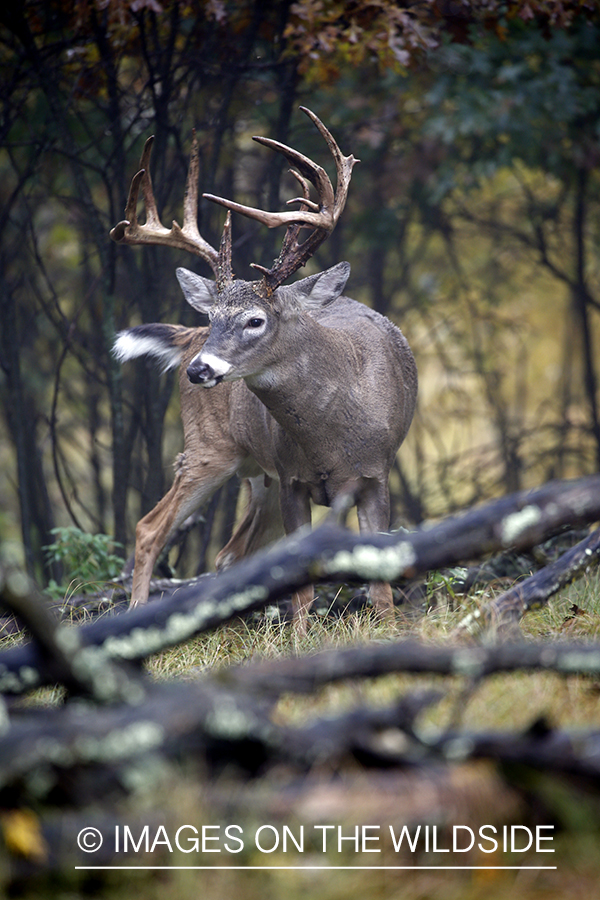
(321, 400)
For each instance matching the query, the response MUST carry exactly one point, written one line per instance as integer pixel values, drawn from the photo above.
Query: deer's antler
(129, 230)
(322, 216)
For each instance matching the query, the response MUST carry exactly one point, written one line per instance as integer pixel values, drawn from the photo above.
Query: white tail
(308, 387)
(149, 340)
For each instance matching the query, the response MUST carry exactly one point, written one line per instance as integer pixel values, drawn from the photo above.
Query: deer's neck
(303, 385)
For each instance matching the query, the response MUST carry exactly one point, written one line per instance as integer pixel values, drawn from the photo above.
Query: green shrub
(87, 560)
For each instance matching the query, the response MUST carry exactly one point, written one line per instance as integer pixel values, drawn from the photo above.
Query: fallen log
(79, 754)
(327, 553)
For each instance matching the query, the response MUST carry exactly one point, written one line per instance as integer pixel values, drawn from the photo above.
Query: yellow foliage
(22, 834)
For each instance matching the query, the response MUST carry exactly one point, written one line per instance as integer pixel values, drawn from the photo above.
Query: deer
(296, 387)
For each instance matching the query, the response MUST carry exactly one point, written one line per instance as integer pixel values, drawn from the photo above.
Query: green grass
(503, 701)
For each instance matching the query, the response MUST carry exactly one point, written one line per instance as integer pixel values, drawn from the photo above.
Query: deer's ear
(199, 292)
(320, 290)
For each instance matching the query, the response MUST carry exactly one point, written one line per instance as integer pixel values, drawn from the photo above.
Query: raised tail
(166, 343)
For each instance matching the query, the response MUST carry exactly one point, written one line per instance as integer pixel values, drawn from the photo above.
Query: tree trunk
(581, 304)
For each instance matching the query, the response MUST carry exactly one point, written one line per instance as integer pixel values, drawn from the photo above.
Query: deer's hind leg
(260, 525)
(193, 485)
(373, 509)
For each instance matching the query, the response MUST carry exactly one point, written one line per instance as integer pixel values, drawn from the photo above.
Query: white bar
(324, 868)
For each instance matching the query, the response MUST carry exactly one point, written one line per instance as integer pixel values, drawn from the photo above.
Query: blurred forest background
(473, 222)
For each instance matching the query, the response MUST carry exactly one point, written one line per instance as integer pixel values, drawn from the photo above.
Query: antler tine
(129, 230)
(145, 183)
(343, 164)
(290, 237)
(224, 271)
(321, 216)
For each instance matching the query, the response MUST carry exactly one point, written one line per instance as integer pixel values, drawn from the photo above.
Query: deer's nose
(198, 372)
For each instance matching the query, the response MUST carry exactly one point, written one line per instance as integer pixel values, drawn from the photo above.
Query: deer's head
(248, 332)
(248, 318)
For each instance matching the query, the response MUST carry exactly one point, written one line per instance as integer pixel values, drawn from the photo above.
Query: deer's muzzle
(200, 373)
(208, 370)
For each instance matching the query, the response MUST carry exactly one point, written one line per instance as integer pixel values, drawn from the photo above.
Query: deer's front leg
(373, 508)
(294, 499)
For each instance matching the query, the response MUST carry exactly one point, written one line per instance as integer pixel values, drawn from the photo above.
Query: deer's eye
(255, 322)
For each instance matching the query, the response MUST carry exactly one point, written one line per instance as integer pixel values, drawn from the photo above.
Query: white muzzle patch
(220, 367)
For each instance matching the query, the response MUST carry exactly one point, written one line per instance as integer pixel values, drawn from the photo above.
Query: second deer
(295, 385)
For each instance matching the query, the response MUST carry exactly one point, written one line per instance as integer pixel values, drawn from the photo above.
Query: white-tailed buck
(308, 389)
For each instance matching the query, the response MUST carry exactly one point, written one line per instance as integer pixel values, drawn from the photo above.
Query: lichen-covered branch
(79, 754)
(61, 654)
(307, 674)
(542, 748)
(503, 613)
(327, 553)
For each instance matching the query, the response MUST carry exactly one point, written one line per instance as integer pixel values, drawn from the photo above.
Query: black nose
(200, 372)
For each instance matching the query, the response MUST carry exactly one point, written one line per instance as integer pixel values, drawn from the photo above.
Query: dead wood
(79, 753)
(503, 613)
(307, 674)
(118, 730)
(327, 553)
